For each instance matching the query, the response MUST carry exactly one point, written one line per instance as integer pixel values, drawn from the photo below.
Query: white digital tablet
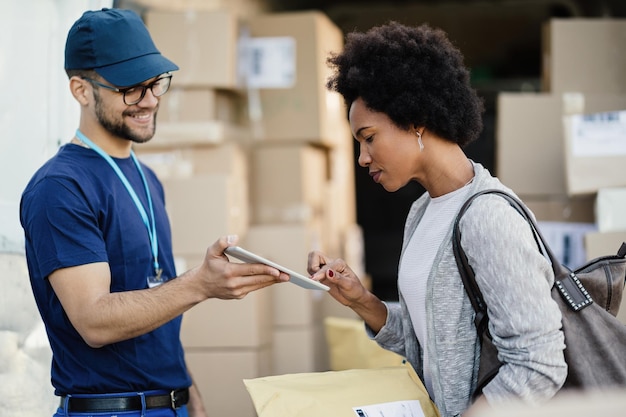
(294, 277)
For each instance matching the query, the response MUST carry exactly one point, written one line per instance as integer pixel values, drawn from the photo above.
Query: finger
(240, 286)
(244, 269)
(316, 260)
(263, 283)
(320, 274)
(217, 248)
(332, 276)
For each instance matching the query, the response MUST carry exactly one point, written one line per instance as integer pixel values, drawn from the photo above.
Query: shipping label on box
(535, 164)
(599, 134)
(269, 62)
(595, 146)
(306, 111)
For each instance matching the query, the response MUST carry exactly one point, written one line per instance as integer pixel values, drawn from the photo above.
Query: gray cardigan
(515, 280)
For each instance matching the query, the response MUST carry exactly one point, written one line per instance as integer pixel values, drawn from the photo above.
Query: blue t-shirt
(74, 211)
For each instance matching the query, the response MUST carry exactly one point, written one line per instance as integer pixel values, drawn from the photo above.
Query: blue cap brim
(137, 70)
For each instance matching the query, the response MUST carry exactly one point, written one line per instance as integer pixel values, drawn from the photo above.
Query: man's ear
(81, 90)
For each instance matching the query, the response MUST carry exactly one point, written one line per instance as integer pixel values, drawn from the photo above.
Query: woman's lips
(375, 175)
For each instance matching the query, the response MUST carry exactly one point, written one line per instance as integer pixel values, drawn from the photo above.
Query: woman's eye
(369, 139)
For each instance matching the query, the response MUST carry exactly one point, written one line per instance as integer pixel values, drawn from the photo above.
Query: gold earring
(419, 140)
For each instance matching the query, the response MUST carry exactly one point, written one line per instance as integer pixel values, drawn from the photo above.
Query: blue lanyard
(150, 223)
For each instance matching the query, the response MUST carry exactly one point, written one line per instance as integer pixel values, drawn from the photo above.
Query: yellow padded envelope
(349, 346)
(335, 393)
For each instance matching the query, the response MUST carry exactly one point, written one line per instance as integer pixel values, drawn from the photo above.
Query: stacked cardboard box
(584, 55)
(206, 188)
(272, 164)
(302, 179)
(205, 103)
(239, 7)
(298, 341)
(226, 341)
(581, 75)
(301, 108)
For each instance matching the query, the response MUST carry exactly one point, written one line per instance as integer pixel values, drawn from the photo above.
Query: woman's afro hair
(414, 75)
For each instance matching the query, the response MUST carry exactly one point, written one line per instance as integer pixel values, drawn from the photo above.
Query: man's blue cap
(117, 45)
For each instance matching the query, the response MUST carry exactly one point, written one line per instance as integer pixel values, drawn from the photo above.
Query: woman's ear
(417, 128)
(80, 90)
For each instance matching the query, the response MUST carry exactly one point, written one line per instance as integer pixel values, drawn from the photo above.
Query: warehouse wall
(36, 114)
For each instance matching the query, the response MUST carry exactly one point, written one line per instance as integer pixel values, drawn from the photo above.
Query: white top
(416, 263)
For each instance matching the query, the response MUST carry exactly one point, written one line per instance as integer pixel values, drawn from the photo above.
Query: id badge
(156, 280)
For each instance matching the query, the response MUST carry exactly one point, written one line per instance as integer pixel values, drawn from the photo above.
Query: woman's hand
(347, 288)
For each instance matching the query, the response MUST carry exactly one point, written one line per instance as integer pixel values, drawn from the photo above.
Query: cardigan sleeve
(391, 335)
(516, 280)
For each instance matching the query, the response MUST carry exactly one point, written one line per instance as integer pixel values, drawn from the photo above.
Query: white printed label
(598, 134)
(411, 408)
(270, 62)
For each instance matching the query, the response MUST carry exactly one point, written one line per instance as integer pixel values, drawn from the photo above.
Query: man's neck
(111, 145)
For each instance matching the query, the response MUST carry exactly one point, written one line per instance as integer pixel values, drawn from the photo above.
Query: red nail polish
(331, 273)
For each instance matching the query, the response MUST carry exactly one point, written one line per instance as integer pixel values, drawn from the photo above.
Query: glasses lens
(135, 94)
(160, 86)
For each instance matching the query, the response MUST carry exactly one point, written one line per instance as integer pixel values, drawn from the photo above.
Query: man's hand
(233, 280)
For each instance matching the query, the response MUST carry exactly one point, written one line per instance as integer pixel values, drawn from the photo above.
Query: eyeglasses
(133, 95)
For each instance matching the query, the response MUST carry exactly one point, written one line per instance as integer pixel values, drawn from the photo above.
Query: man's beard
(118, 127)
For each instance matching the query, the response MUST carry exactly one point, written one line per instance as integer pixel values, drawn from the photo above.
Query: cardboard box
(287, 183)
(340, 197)
(353, 249)
(576, 209)
(200, 104)
(610, 209)
(289, 245)
(332, 308)
(210, 132)
(219, 374)
(530, 150)
(229, 158)
(603, 243)
(584, 55)
(300, 349)
(202, 208)
(240, 7)
(595, 151)
(245, 323)
(202, 43)
(530, 161)
(298, 107)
